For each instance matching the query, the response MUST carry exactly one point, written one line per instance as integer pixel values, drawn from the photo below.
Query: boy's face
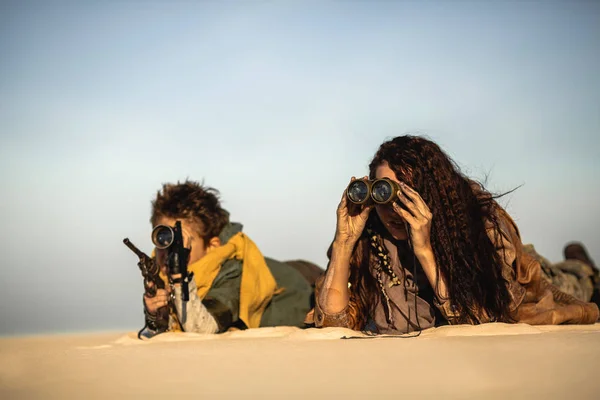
(191, 240)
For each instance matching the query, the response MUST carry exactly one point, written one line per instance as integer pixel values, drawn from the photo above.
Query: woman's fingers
(365, 211)
(342, 201)
(417, 200)
(412, 207)
(408, 217)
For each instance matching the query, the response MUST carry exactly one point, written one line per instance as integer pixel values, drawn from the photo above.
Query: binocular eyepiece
(380, 191)
(163, 236)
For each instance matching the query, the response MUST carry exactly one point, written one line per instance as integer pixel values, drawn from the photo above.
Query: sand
(494, 361)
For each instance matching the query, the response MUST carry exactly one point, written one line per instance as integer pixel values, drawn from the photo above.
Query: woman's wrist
(426, 258)
(425, 250)
(342, 249)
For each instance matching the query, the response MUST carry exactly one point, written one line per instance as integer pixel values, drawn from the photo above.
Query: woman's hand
(418, 217)
(351, 221)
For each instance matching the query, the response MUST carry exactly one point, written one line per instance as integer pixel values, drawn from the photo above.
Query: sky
(277, 105)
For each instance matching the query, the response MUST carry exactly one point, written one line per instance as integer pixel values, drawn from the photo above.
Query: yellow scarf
(258, 285)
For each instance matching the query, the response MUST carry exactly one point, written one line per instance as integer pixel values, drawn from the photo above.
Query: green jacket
(285, 309)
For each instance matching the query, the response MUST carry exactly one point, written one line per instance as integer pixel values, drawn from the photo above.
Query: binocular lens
(382, 191)
(358, 192)
(162, 236)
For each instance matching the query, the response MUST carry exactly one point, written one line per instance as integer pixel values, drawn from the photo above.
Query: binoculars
(380, 191)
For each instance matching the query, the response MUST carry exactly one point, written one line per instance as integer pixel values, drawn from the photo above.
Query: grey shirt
(407, 311)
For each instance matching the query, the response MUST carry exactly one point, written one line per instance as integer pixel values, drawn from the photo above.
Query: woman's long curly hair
(465, 255)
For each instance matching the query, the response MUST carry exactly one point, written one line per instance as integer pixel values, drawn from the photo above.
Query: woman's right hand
(351, 220)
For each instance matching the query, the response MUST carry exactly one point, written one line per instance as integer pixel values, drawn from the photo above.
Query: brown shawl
(543, 303)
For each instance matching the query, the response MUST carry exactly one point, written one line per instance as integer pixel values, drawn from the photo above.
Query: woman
(463, 249)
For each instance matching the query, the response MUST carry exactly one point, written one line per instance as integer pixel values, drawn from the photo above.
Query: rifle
(171, 238)
(152, 282)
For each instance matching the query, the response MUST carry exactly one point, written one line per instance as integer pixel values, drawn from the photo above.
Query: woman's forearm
(334, 296)
(436, 280)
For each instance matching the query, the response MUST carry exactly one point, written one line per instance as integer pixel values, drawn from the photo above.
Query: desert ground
(491, 361)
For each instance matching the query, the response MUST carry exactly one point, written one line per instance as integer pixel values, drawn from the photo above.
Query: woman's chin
(397, 233)
(402, 236)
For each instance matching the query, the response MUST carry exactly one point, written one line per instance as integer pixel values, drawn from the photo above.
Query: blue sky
(276, 104)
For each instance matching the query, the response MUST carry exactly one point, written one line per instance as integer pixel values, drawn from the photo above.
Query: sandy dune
(487, 361)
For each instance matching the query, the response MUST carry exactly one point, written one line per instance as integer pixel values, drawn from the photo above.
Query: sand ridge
(293, 333)
(485, 361)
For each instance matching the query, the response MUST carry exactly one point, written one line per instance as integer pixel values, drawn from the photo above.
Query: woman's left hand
(418, 217)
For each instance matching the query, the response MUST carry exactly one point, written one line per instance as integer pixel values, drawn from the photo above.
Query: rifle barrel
(132, 247)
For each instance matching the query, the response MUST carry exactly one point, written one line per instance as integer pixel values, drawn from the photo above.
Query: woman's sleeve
(347, 318)
(447, 311)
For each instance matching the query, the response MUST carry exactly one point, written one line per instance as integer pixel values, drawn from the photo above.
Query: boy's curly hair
(194, 202)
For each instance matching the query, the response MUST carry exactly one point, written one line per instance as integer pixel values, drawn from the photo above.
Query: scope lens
(162, 236)
(358, 191)
(382, 191)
